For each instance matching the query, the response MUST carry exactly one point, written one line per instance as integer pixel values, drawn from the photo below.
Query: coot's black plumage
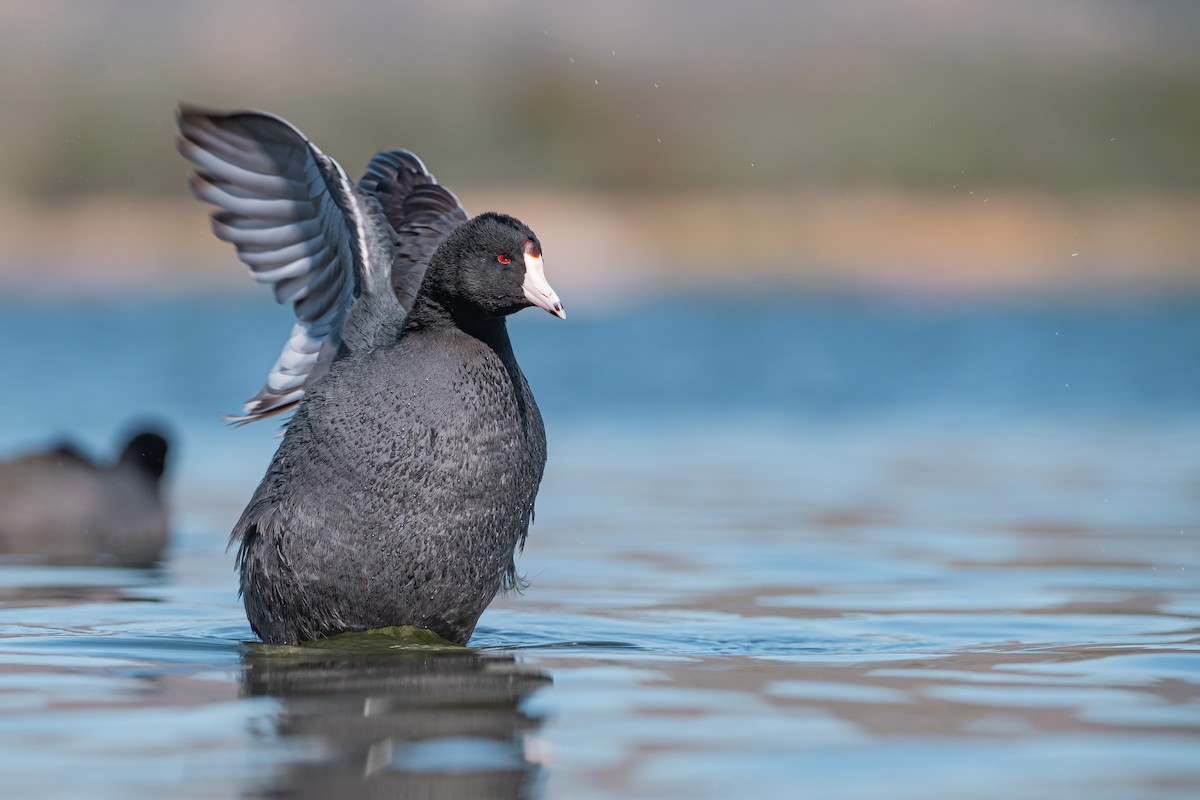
(407, 476)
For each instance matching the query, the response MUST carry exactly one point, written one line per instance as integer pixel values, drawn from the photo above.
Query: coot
(406, 479)
(61, 507)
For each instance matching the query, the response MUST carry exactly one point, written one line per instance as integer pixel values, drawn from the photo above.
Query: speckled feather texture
(428, 455)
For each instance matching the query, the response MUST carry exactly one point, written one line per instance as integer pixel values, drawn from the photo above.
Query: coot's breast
(410, 475)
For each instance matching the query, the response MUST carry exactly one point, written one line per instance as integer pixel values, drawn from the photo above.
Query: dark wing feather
(421, 212)
(297, 222)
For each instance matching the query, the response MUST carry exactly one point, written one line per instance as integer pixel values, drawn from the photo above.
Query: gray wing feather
(421, 211)
(299, 225)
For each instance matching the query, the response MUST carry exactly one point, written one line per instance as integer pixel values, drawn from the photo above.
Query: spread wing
(421, 211)
(298, 223)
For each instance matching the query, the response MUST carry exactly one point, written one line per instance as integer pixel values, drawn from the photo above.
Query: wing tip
(264, 405)
(238, 420)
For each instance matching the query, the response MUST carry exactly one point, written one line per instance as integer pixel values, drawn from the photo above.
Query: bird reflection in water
(431, 723)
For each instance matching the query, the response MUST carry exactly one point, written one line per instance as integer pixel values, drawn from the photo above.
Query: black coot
(407, 476)
(60, 507)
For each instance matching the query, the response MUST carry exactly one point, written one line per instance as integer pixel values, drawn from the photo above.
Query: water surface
(825, 546)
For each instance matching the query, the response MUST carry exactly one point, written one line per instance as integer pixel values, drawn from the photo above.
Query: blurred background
(959, 145)
(874, 427)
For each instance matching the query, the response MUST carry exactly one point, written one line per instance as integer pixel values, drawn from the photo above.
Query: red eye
(503, 259)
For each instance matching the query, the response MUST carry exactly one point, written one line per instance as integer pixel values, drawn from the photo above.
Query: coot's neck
(434, 314)
(438, 313)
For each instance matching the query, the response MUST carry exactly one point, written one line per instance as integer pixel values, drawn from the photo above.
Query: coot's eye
(503, 259)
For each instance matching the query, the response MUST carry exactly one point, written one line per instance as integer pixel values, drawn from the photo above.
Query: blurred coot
(63, 508)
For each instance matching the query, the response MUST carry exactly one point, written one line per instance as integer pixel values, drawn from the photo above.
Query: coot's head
(491, 265)
(146, 452)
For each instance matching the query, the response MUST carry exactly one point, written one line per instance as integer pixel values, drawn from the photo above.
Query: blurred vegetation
(1070, 96)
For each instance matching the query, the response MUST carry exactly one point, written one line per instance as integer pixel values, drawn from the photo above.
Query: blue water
(808, 545)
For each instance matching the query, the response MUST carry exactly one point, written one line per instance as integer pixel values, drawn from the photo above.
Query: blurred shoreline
(874, 238)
